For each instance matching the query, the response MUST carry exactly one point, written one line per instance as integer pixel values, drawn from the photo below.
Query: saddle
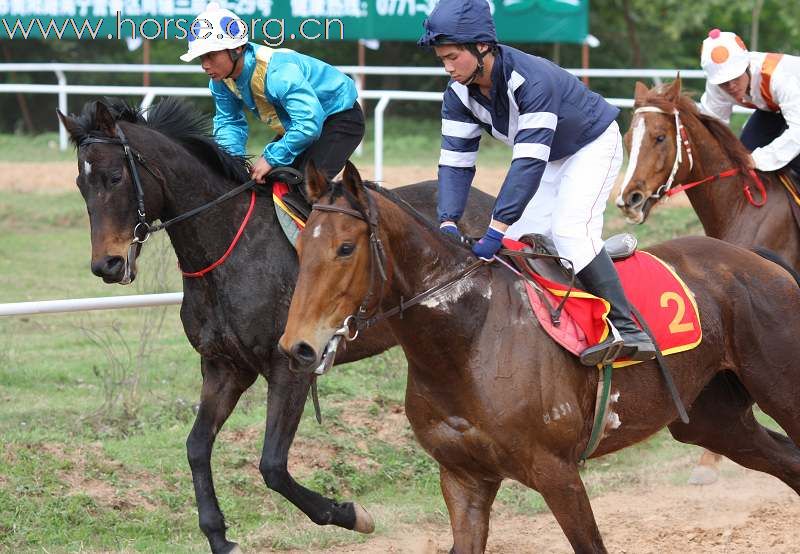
(547, 262)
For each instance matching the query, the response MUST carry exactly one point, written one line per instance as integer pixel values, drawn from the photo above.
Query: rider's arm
(716, 103)
(538, 108)
(291, 90)
(461, 136)
(230, 123)
(786, 147)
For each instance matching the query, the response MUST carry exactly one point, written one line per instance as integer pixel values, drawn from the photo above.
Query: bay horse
(483, 377)
(722, 205)
(233, 315)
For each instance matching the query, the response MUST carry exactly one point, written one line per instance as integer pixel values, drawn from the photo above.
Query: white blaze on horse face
(87, 168)
(636, 143)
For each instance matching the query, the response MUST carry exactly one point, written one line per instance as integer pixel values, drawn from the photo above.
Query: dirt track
(746, 511)
(60, 176)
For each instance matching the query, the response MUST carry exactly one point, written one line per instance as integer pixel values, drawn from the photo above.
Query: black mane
(176, 120)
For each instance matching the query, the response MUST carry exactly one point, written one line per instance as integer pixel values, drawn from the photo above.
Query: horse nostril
(635, 198)
(109, 266)
(304, 354)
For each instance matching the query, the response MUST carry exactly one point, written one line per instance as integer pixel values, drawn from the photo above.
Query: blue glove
(488, 246)
(450, 229)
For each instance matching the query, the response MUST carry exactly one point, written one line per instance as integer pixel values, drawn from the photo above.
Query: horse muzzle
(303, 358)
(635, 206)
(117, 269)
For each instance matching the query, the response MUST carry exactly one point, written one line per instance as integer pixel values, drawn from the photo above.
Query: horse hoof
(703, 475)
(364, 522)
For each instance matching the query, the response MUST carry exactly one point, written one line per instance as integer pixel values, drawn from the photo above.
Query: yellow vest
(266, 111)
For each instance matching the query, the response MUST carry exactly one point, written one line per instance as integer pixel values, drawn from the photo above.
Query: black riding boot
(601, 279)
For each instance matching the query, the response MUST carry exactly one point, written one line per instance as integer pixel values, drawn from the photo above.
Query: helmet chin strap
(235, 57)
(473, 48)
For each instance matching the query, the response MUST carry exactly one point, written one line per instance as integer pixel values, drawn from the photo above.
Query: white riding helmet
(213, 30)
(724, 56)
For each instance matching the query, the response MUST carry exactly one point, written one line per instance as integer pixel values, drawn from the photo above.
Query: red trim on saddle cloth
(656, 291)
(278, 190)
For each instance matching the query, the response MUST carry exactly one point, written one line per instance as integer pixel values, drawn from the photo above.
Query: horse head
(342, 267)
(122, 192)
(657, 152)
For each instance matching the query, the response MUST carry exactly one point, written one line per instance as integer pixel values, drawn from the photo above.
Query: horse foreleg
(285, 401)
(560, 485)
(469, 502)
(222, 389)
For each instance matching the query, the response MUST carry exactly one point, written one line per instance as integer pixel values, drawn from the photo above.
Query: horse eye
(346, 249)
(660, 138)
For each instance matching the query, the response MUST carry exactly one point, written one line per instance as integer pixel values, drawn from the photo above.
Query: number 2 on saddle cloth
(663, 299)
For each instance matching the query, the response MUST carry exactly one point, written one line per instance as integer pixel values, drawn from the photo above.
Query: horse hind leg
(286, 399)
(222, 388)
(706, 471)
(469, 503)
(722, 420)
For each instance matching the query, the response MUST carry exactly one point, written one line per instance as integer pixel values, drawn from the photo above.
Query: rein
(378, 256)
(681, 143)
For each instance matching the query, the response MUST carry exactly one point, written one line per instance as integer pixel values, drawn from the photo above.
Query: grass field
(93, 423)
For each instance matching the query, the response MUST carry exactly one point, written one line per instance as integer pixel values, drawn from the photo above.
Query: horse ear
(104, 120)
(316, 183)
(70, 125)
(673, 91)
(351, 178)
(640, 93)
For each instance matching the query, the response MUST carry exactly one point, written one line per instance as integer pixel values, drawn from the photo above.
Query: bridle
(143, 230)
(681, 142)
(354, 323)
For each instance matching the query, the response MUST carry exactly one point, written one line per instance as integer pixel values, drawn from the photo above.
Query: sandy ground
(746, 511)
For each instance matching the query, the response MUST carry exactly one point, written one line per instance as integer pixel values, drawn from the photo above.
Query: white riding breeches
(572, 195)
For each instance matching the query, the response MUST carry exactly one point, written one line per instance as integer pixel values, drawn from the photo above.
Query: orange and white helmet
(724, 56)
(213, 30)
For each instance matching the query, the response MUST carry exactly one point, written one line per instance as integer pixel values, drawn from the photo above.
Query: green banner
(280, 21)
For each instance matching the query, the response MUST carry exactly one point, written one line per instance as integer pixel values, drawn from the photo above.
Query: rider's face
(458, 62)
(737, 88)
(217, 65)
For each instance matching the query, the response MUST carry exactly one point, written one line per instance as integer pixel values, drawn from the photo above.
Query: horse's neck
(444, 325)
(716, 202)
(202, 239)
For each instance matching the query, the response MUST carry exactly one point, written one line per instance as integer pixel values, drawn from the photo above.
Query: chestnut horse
(483, 376)
(133, 171)
(722, 206)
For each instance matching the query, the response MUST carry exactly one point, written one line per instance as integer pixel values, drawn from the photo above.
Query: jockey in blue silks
(309, 104)
(567, 152)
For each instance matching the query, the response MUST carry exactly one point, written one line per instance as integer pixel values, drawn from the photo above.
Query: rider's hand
(260, 170)
(489, 244)
(449, 228)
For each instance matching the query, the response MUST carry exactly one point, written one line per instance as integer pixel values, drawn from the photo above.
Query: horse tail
(775, 258)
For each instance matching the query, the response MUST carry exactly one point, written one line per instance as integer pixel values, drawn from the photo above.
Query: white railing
(63, 89)
(86, 304)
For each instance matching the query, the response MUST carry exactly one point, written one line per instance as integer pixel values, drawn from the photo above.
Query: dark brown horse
(233, 315)
(721, 205)
(483, 377)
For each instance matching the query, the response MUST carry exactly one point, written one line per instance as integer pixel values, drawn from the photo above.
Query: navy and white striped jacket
(542, 111)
